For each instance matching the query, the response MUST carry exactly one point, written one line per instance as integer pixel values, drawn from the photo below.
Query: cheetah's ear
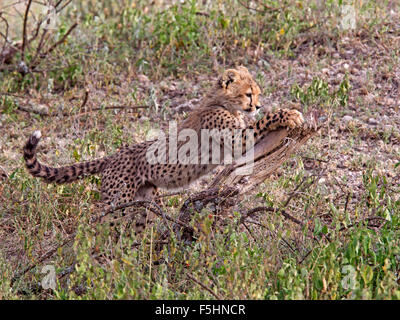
(227, 78)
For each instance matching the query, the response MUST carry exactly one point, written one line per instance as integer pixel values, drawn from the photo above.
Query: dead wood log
(242, 177)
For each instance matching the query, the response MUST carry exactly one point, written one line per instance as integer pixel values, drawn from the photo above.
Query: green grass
(348, 245)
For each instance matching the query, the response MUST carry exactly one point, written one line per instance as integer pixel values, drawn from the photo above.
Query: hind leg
(116, 191)
(139, 217)
(145, 216)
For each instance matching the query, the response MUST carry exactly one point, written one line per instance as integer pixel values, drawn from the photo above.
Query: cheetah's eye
(248, 95)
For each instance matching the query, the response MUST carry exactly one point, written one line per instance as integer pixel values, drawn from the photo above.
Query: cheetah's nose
(258, 107)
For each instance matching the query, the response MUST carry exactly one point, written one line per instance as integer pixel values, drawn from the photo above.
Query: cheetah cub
(130, 175)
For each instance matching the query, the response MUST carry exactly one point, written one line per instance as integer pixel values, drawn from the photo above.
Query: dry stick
(204, 286)
(293, 193)
(12, 4)
(269, 7)
(5, 36)
(272, 232)
(345, 228)
(62, 8)
(36, 32)
(147, 204)
(206, 197)
(33, 66)
(249, 8)
(24, 30)
(347, 202)
(205, 14)
(305, 256)
(316, 159)
(285, 214)
(270, 209)
(107, 108)
(62, 39)
(85, 99)
(47, 255)
(40, 22)
(40, 46)
(249, 231)
(368, 223)
(58, 3)
(120, 107)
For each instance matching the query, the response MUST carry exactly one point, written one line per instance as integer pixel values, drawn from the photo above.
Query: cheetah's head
(238, 92)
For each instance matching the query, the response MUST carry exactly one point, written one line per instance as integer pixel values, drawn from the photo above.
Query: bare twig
(120, 107)
(107, 108)
(55, 45)
(64, 5)
(204, 287)
(44, 257)
(42, 41)
(24, 38)
(369, 223)
(150, 205)
(266, 7)
(85, 99)
(273, 210)
(248, 7)
(205, 14)
(347, 202)
(315, 159)
(5, 36)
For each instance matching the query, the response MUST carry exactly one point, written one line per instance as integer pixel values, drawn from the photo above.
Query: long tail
(61, 174)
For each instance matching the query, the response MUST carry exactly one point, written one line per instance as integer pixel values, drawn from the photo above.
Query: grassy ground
(163, 55)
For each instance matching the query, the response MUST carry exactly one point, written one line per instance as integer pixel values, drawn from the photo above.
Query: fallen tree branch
(269, 154)
(222, 199)
(230, 185)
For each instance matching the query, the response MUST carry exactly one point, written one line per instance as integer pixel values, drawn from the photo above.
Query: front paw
(291, 118)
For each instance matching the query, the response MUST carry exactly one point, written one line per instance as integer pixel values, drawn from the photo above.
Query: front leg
(285, 118)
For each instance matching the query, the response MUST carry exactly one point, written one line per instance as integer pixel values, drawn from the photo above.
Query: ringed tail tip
(37, 134)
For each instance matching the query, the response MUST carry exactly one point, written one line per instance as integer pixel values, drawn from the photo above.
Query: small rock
(166, 86)
(347, 118)
(144, 118)
(372, 121)
(40, 109)
(388, 127)
(143, 79)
